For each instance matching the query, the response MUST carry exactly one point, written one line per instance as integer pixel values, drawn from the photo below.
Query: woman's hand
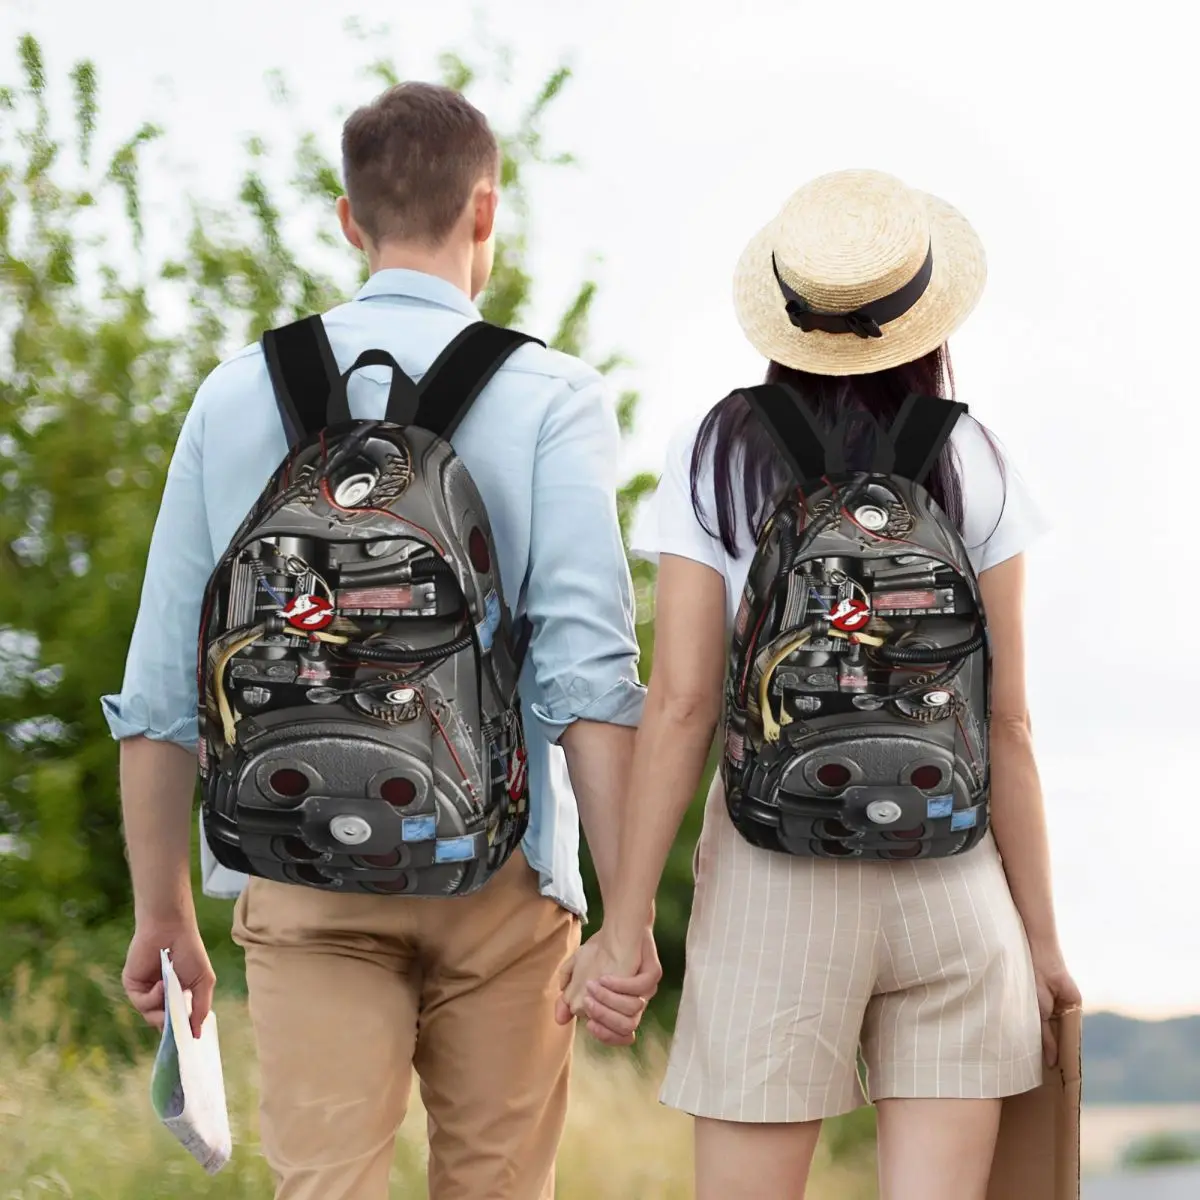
(1056, 992)
(610, 986)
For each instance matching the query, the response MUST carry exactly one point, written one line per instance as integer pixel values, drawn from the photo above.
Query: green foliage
(93, 386)
(87, 388)
(849, 1137)
(1162, 1148)
(75, 1122)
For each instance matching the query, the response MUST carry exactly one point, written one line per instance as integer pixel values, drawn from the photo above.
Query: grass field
(73, 1124)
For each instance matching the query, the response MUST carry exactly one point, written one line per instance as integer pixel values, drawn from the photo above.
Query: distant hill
(1126, 1061)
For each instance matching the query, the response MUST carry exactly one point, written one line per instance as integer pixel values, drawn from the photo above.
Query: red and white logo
(516, 774)
(850, 614)
(308, 613)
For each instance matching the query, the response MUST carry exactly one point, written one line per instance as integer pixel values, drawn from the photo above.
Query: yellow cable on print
(770, 726)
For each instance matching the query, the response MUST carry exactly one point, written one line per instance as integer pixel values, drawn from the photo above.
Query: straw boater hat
(858, 272)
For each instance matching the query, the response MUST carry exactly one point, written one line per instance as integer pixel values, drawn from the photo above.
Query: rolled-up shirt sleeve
(158, 695)
(579, 595)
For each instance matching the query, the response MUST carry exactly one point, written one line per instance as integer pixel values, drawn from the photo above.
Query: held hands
(609, 987)
(1056, 992)
(142, 977)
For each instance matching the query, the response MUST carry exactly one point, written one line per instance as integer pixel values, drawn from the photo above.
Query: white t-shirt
(1000, 518)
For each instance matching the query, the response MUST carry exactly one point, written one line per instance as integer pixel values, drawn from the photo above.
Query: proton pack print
(858, 690)
(360, 723)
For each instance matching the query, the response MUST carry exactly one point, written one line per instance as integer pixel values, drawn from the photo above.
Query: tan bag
(1037, 1153)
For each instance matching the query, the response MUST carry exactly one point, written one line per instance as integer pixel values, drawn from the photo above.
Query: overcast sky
(1065, 136)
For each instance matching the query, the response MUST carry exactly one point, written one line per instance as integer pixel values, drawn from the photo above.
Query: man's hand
(142, 977)
(610, 987)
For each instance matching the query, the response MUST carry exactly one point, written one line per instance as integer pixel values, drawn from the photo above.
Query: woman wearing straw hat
(934, 969)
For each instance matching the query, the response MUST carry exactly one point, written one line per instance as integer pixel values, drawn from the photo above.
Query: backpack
(857, 696)
(360, 727)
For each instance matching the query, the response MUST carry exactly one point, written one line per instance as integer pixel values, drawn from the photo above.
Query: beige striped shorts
(797, 966)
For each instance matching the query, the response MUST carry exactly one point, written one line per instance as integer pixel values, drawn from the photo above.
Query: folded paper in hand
(187, 1088)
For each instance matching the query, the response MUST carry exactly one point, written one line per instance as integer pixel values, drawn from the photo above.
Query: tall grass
(77, 1123)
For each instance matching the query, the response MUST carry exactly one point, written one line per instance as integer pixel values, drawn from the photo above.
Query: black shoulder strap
(801, 441)
(311, 394)
(462, 370)
(919, 432)
(303, 374)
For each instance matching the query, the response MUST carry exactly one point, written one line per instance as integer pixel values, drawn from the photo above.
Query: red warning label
(356, 599)
(904, 599)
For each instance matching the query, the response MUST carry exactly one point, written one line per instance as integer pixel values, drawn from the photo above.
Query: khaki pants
(348, 993)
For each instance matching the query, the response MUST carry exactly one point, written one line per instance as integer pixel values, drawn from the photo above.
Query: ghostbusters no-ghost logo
(849, 615)
(309, 613)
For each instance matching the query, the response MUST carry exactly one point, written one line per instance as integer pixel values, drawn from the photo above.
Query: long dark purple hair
(744, 455)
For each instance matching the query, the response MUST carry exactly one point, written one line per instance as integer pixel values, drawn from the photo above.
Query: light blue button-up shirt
(542, 445)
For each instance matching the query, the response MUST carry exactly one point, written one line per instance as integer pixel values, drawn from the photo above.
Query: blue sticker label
(939, 806)
(460, 849)
(964, 819)
(486, 629)
(419, 829)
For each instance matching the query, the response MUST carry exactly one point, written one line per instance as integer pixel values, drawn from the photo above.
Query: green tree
(93, 385)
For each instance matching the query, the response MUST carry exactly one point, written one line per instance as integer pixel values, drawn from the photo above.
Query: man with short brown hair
(348, 992)
(408, 159)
